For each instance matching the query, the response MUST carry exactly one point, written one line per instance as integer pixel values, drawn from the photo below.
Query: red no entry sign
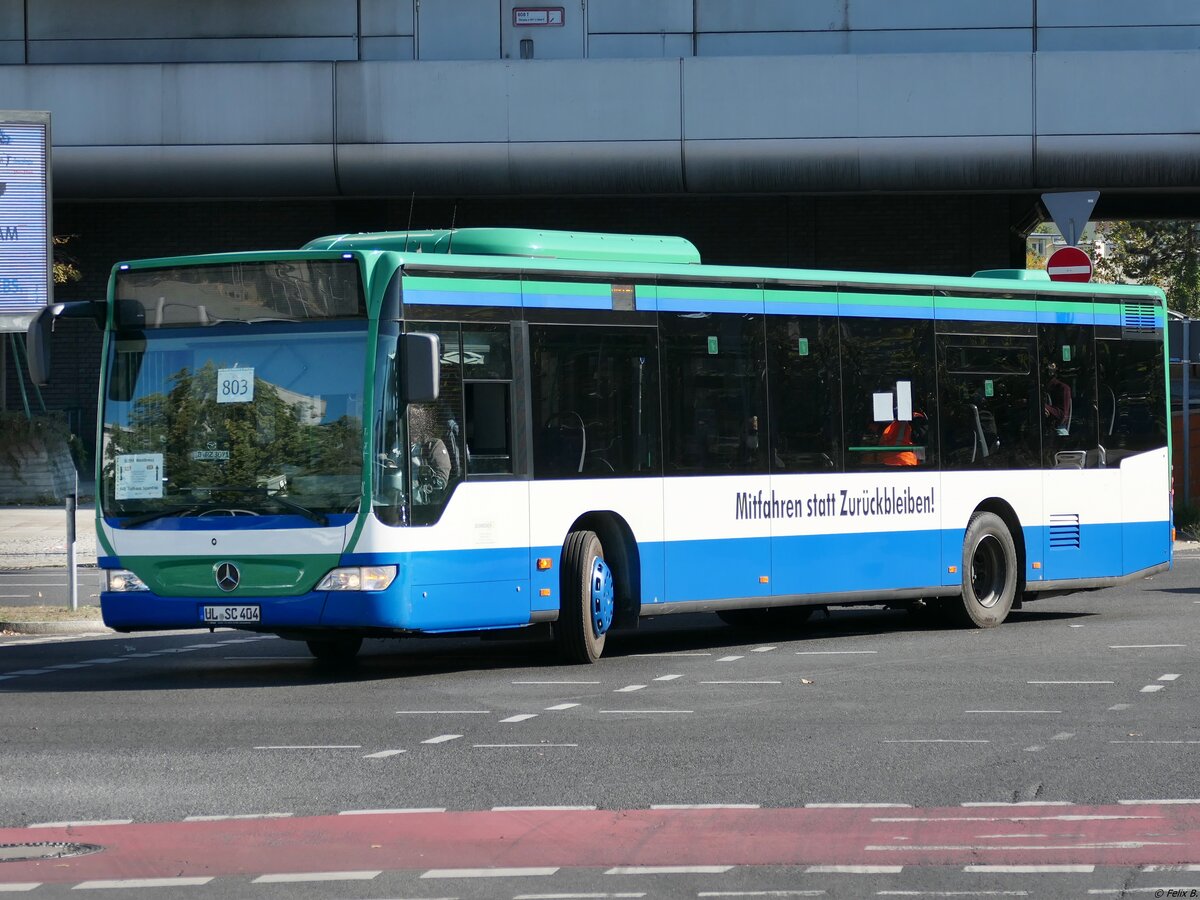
(1069, 264)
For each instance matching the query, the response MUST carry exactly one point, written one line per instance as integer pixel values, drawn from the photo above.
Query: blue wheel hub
(601, 581)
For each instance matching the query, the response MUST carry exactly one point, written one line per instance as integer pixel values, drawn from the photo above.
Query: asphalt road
(1067, 721)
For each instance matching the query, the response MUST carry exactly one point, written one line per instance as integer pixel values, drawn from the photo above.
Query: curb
(87, 626)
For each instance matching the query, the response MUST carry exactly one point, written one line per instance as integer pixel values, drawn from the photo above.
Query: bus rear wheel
(339, 650)
(989, 572)
(588, 599)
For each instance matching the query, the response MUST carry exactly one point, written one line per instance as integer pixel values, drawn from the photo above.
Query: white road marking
(442, 738)
(81, 823)
(834, 652)
(275, 815)
(490, 873)
(541, 808)
(297, 877)
(310, 747)
(1070, 682)
(1099, 845)
(705, 806)
(520, 717)
(1151, 688)
(672, 654)
(443, 712)
(1117, 707)
(1021, 870)
(1147, 802)
(561, 706)
(1154, 742)
(389, 812)
(1063, 736)
(858, 806)
(761, 894)
(668, 870)
(1143, 646)
(853, 870)
(1167, 677)
(1157, 891)
(30, 672)
(1035, 748)
(730, 658)
(741, 682)
(384, 754)
(954, 893)
(19, 886)
(667, 677)
(1179, 867)
(577, 896)
(763, 649)
(629, 689)
(142, 883)
(555, 682)
(483, 746)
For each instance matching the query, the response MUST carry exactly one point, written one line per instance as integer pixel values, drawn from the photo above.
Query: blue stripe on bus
(566, 301)
(674, 304)
(943, 313)
(466, 590)
(460, 298)
(779, 308)
(1053, 317)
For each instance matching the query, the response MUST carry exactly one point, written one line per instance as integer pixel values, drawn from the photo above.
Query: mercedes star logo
(228, 576)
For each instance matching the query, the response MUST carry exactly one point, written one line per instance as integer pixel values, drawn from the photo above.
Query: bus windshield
(234, 420)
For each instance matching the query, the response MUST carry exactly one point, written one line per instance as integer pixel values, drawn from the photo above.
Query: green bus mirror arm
(37, 338)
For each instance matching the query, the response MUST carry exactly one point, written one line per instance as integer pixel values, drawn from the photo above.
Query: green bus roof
(521, 242)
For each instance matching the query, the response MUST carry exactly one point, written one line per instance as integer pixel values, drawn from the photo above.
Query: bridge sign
(1069, 264)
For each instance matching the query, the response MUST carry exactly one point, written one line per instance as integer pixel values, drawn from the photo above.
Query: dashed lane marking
(1143, 646)
(1154, 742)
(648, 712)
(835, 652)
(272, 815)
(538, 746)
(1070, 682)
(555, 682)
(936, 741)
(853, 870)
(1035, 748)
(668, 870)
(384, 754)
(598, 896)
(520, 717)
(443, 712)
(143, 883)
(1117, 707)
(1169, 677)
(672, 654)
(1150, 802)
(1023, 870)
(793, 893)
(629, 689)
(542, 808)
(1151, 688)
(763, 649)
(81, 823)
(705, 806)
(19, 886)
(299, 877)
(512, 872)
(952, 893)
(442, 738)
(667, 677)
(1009, 803)
(1063, 736)
(1016, 712)
(730, 658)
(310, 747)
(392, 812)
(561, 706)
(858, 806)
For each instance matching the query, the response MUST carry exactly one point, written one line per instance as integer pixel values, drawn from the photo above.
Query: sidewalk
(36, 536)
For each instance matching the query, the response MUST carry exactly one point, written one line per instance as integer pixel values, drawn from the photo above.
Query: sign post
(1069, 264)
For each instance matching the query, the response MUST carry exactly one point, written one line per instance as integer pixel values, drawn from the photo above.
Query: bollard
(72, 575)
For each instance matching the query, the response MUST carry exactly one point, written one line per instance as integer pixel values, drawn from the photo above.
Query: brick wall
(942, 234)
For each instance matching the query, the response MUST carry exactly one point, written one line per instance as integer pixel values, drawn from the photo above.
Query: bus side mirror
(37, 338)
(422, 367)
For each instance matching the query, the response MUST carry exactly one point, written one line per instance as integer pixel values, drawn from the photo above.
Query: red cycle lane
(1165, 834)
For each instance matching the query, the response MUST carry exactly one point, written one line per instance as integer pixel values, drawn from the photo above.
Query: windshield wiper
(258, 491)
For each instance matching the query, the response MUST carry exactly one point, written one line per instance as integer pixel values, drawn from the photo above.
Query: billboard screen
(24, 216)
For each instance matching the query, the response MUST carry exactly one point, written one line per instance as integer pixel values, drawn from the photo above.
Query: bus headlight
(123, 580)
(358, 578)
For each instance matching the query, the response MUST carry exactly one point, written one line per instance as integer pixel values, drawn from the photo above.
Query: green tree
(1163, 253)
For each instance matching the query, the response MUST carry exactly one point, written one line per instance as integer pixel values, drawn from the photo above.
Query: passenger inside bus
(912, 435)
(1057, 406)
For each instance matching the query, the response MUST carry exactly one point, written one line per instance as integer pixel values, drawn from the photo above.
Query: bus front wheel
(588, 595)
(339, 650)
(989, 572)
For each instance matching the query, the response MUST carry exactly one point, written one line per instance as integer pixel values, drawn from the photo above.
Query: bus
(487, 429)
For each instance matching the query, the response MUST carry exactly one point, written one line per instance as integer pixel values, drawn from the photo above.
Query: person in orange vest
(901, 434)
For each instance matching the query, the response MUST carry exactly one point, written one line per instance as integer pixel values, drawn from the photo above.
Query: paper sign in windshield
(139, 476)
(235, 385)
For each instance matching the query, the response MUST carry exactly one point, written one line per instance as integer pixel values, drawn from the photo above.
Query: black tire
(989, 572)
(335, 650)
(575, 633)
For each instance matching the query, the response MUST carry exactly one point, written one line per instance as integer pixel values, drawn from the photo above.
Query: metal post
(72, 574)
(1186, 437)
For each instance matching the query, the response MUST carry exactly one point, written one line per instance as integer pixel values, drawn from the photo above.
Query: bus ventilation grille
(1138, 321)
(1064, 531)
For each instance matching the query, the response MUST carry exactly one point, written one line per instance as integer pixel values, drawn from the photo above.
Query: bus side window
(437, 454)
(487, 398)
(1070, 427)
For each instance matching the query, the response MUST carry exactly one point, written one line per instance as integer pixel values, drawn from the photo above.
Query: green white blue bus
(477, 430)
